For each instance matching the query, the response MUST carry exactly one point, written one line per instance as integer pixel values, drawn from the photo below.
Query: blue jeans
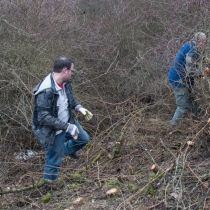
(182, 96)
(60, 147)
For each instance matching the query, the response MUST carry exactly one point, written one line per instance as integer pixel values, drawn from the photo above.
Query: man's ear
(64, 70)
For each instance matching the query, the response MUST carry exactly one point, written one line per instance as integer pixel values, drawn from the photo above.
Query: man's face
(68, 73)
(201, 43)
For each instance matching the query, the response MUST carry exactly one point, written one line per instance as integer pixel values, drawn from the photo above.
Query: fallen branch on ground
(33, 186)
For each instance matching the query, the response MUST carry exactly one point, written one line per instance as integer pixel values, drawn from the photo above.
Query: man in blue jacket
(53, 120)
(182, 72)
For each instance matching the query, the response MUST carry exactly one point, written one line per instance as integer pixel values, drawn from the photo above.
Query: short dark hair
(62, 62)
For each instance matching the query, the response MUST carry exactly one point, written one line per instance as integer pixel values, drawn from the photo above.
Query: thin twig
(201, 201)
(98, 174)
(196, 176)
(151, 207)
(138, 192)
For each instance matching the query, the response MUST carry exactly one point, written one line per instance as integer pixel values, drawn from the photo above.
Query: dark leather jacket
(45, 111)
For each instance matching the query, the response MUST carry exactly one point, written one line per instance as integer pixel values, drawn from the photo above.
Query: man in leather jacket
(53, 120)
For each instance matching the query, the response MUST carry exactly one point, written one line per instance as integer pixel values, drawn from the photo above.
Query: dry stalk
(151, 207)
(98, 174)
(200, 131)
(33, 186)
(203, 184)
(201, 201)
(138, 192)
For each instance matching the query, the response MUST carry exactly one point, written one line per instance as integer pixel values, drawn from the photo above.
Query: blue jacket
(177, 74)
(45, 111)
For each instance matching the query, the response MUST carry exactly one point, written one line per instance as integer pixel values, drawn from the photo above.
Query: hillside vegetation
(122, 51)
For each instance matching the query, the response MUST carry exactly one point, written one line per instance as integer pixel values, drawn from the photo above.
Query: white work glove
(73, 130)
(207, 60)
(88, 114)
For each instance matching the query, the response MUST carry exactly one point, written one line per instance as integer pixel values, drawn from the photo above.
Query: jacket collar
(47, 83)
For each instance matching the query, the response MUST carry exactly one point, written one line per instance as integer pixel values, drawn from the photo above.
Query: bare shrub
(122, 52)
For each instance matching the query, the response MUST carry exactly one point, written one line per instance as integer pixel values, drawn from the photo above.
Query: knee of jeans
(59, 151)
(182, 109)
(86, 138)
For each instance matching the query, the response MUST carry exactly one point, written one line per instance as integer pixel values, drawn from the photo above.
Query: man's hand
(88, 114)
(207, 60)
(72, 130)
(207, 71)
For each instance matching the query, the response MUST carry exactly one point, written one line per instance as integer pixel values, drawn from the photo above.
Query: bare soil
(181, 183)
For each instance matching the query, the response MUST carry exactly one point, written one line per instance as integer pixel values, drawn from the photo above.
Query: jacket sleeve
(71, 97)
(44, 106)
(74, 102)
